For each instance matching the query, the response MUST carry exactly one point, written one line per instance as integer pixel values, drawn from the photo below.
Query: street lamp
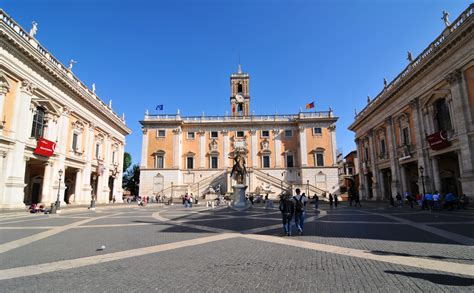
(58, 203)
(307, 188)
(422, 179)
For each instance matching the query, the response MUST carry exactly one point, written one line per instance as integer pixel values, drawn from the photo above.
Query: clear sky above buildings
(181, 53)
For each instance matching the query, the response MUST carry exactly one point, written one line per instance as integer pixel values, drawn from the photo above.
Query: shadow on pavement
(379, 252)
(440, 279)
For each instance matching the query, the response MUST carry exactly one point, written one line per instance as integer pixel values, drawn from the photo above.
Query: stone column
(4, 88)
(303, 147)
(202, 149)
(177, 148)
(143, 161)
(403, 176)
(375, 171)
(362, 183)
(225, 151)
(3, 155)
(106, 174)
(253, 147)
(392, 152)
(46, 196)
(277, 140)
(421, 144)
(436, 177)
(463, 127)
(86, 173)
(78, 196)
(332, 131)
(16, 161)
(119, 176)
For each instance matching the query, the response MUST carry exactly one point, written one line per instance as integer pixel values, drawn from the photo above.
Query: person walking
(399, 200)
(436, 200)
(336, 200)
(357, 200)
(330, 200)
(316, 201)
(300, 204)
(287, 209)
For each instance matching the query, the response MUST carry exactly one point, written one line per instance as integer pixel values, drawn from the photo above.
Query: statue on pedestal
(239, 171)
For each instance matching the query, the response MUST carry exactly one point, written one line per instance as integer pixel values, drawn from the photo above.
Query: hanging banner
(45, 147)
(438, 140)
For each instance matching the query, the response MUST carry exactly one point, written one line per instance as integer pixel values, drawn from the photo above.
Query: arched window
(38, 123)
(442, 116)
(239, 87)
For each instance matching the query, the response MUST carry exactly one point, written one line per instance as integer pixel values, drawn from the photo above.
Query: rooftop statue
(409, 57)
(445, 18)
(71, 63)
(93, 88)
(34, 29)
(385, 83)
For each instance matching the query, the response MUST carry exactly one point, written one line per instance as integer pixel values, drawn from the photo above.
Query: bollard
(212, 204)
(207, 204)
(53, 209)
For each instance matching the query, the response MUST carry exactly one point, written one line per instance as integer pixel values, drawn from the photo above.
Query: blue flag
(159, 107)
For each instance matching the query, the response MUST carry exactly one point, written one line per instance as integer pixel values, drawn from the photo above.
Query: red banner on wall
(438, 140)
(45, 147)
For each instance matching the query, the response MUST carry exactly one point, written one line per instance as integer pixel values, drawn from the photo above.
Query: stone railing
(404, 151)
(9, 22)
(251, 118)
(419, 60)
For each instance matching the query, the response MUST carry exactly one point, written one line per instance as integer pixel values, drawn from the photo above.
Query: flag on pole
(310, 105)
(159, 107)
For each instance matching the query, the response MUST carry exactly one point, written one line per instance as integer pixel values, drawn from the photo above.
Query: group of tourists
(431, 201)
(293, 207)
(188, 200)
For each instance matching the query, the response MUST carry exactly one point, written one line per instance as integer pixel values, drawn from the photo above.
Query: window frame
(191, 135)
(263, 162)
(158, 133)
(290, 131)
(157, 165)
(216, 158)
(240, 131)
(39, 123)
(75, 141)
(318, 133)
(292, 160)
(317, 156)
(189, 159)
(265, 136)
(211, 132)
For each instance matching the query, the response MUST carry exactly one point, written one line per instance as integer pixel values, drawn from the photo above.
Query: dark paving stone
(433, 217)
(364, 217)
(462, 229)
(237, 224)
(56, 221)
(83, 242)
(11, 235)
(124, 221)
(249, 266)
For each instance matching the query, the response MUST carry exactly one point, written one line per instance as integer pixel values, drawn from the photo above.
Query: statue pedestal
(239, 202)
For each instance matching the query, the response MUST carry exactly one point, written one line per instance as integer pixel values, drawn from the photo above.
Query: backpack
(299, 206)
(286, 206)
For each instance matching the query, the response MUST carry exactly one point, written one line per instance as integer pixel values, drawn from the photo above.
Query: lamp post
(307, 188)
(58, 202)
(422, 179)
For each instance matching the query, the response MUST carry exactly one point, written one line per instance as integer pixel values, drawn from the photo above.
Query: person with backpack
(300, 204)
(316, 202)
(336, 200)
(287, 209)
(330, 200)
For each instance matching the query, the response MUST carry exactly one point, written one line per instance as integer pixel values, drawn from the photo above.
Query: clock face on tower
(239, 98)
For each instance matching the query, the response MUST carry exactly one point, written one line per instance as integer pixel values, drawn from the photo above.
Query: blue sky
(181, 53)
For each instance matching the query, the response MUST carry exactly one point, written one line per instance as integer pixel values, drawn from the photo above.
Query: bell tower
(239, 93)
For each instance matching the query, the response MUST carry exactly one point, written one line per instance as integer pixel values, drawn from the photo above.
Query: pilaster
(144, 161)
(253, 147)
(277, 141)
(202, 149)
(177, 148)
(392, 152)
(332, 131)
(375, 172)
(303, 147)
(225, 151)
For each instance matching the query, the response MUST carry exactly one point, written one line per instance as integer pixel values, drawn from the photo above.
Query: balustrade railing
(251, 118)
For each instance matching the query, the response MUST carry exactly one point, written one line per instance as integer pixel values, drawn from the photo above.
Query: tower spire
(239, 69)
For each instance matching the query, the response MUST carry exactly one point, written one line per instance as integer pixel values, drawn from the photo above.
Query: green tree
(131, 179)
(127, 161)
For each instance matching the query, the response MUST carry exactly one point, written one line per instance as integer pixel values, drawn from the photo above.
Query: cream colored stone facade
(191, 154)
(432, 100)
(40, 97)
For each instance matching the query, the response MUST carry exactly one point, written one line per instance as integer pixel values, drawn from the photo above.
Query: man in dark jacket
(287, 209)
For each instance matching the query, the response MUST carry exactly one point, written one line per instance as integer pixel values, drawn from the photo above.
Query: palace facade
(192, 153)
(417, 135)
(57, 137)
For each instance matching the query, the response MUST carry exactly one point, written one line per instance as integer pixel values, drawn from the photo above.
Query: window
(113, 157)
(349, 170)
(317, 131)
(38, 123)
(190, 162)
(288, 133)
(97, 150)
(160, 133)
(240, 134)
(214, 162)
(266, 161)
(239, 88)
(214, 134)
(405, 136)
(289, 160)
(382, 147)
(366, 149)
(442, 116)
(190, 135)
(74, 141)
(159, 161)
(265, 133)
(319, 159)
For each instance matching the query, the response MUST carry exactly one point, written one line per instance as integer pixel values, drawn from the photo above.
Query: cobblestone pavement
(170, 248)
